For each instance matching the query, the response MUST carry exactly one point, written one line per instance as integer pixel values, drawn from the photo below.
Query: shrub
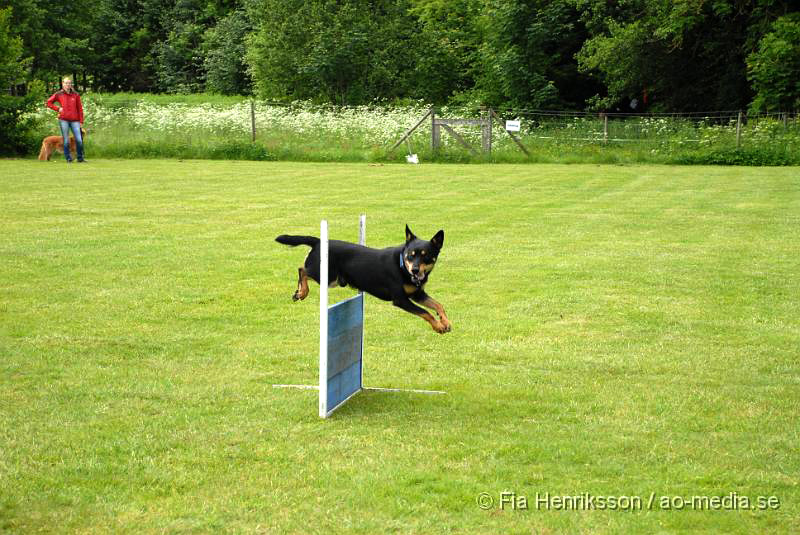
(749, 156)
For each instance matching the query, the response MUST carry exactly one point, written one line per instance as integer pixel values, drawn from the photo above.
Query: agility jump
(341, 334)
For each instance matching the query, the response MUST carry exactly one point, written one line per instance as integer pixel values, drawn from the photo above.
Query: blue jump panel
(345, 337)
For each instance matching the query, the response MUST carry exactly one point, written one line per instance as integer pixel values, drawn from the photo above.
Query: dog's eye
(411, 254)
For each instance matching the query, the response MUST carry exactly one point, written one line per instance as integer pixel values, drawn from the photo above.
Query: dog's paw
(299, 294)
(442, 327)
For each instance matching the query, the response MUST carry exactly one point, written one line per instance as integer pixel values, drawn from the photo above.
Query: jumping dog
(396, 274)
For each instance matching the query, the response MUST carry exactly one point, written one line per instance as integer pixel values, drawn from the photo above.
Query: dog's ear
(409, 235)
(438, 240)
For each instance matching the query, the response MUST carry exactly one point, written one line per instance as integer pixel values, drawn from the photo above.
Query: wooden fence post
(739, 130)
(435, 133)
(253, 119)
(486, 131)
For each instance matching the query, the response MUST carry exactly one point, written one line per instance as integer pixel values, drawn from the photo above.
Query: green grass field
(618, 332)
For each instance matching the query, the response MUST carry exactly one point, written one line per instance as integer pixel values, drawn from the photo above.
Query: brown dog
(51, 144)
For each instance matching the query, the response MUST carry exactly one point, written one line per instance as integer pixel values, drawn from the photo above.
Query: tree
(178, 55)
(127, 31)
(343, 51)
(687, 55)
(526, 58)
(54, 36)
(15, 135)
(178, 59)
(449, 41)
(12, 66)
(224, 45)
(774, 69)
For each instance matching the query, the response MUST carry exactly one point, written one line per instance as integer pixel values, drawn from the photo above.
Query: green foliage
(16, 131)
(637, 55)
(344, 52)
(526, 56)
(774, 69)
(12, 64)
(618, 59)
(54, 36)
(127, 31)
(224, 45)
(450, 35)
(685, 55)
(760, 156)
(159, 46)
(240, 150)
(179, 62)
(20, 126)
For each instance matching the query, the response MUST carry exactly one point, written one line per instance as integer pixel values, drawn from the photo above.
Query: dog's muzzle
(416, 279)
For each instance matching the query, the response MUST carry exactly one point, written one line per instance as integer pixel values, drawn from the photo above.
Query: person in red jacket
(70, 117)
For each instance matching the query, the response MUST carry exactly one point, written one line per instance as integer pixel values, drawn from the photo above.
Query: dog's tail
(311, 241)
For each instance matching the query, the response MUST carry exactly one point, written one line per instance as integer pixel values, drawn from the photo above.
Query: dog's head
(419, 256)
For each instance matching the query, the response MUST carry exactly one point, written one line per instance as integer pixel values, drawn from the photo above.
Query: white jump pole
(362, 240)
(323, 318)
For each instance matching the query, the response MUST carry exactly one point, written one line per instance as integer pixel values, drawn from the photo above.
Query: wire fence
(304, 127)
(701, 129)
(711, 137)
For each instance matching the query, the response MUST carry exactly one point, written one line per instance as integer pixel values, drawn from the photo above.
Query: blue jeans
(75, 126)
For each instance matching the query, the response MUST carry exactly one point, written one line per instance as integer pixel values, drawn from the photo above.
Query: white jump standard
(341, 336)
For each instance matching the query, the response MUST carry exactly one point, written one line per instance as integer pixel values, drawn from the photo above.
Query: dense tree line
(655, 55)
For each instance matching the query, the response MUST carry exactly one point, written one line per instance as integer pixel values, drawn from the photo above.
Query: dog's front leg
(427, 301)
(406, 304)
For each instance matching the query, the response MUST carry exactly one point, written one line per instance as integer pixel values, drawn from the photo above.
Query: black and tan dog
(396, 274)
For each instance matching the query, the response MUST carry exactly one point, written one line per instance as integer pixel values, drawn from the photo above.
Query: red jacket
(71, 107)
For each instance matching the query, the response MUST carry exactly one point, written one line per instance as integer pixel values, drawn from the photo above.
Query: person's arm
(80, 109)
(50, 102)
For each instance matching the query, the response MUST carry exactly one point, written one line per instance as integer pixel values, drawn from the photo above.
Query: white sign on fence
(512, 126)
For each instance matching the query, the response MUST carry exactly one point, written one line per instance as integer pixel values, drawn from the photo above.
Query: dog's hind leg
(302, 285)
